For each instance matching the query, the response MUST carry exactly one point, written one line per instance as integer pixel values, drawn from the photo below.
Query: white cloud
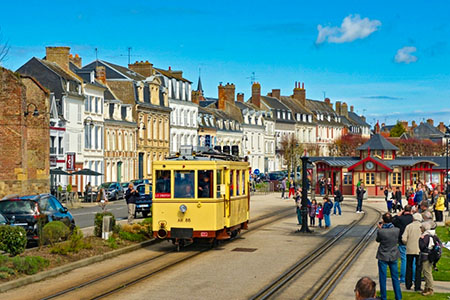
(352, 28)
(404, 55)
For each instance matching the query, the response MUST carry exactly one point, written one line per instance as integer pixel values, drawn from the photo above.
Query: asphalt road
(84, 217)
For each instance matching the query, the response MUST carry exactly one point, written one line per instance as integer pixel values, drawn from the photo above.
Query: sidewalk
(366, 265)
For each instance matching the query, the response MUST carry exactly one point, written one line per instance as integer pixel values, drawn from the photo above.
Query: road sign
(256, 172)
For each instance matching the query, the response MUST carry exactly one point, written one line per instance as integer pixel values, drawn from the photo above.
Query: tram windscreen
(205, 184)
(162, 188)
(184, 184)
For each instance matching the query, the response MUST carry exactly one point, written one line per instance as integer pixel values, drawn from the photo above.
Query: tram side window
(238, 183)
(243, 182)
(219, 182)
(162, 188)
(231, 183)
(205, 184)
(184, 184)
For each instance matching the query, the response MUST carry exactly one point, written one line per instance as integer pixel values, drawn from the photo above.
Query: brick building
(24, 135)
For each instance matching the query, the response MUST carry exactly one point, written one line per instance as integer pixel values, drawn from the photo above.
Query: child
(411, 199)
(312, 213)
(319, 213)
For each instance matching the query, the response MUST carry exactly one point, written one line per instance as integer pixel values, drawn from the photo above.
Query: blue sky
(387, 58)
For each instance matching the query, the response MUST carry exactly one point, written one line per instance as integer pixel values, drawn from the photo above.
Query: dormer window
(278, 114)
(309, 118)
(329, 118)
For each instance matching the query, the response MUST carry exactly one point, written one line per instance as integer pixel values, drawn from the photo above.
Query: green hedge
(13, 239)
(54, 232)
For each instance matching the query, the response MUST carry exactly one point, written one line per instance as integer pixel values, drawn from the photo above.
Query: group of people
(320, 211)
(409, 236)
(325, 186)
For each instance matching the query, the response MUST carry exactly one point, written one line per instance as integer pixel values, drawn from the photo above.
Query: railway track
(118, 280)
(324, 288)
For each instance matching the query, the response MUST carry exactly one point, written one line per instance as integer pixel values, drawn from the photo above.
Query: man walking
(388, 255)
(359, 197)
(337, 200)
(410, 238)
(131, 196)
(401, 221)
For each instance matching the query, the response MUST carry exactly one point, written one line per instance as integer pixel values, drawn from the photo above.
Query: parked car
(28, 210)
(114, 190)
(3, 220)
(144, 204)
(125, 186)
(136, 182)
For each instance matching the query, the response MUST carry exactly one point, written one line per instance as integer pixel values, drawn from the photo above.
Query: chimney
(240, 97)
(300, 93)
(338, 108)
(377, 128)
(58, 55)
(229, 92)
(196, 97)
(276, 93)
(256, 94)
(100, 74)
(221, 102)
(431, 122)
(344, 110)
(143, 68)
(76, 60)
(177, 74)
(352, 108)
(441, 127)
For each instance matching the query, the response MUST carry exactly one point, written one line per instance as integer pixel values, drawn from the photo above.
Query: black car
(114, 190)
(3, 220)
(28, 210)
(144, 204)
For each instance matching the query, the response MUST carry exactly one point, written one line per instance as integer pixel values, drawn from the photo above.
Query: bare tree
(292, 151)
(4, 48)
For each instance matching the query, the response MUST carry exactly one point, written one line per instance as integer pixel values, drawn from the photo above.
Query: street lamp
(304, 206)
(35, 112)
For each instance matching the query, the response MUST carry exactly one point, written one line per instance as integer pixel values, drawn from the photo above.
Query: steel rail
(327, 287)
(287, 276)
(257, 223)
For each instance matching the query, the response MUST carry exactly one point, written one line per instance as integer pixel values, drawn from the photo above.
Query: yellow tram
(200, 196)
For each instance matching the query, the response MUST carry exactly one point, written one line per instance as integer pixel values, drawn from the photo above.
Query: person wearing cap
(410, 238)
(426, 243)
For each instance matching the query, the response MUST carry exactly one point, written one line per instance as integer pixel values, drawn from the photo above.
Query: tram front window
(205, 184)
(184, 184)
(162, 187)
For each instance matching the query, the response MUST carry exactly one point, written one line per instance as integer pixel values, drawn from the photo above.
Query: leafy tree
(397, 130)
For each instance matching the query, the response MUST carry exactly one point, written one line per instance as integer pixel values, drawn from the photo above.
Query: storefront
(377, 167)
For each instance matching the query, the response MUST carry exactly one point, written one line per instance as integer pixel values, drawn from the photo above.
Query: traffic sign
(256, 172)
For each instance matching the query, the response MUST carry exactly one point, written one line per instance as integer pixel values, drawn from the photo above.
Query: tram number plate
(203, 234)
(181, 233)
(184, 220)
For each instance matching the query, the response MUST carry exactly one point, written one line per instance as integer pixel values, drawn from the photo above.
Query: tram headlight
(183, 208)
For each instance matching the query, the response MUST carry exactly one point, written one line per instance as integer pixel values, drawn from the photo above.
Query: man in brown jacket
(410, 238)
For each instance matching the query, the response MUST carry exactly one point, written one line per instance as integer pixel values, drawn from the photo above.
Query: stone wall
(24, 140)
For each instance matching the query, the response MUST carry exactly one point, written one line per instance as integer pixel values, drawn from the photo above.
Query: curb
(72, 266)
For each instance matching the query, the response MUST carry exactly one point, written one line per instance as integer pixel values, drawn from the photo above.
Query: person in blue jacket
(327, 206)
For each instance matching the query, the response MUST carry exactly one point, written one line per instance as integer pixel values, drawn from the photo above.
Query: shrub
(5, 272)
(111, 242)
(73, 245)
(54, 232)
(29, 264)
(130, 236)
(13, 239)
(98, 222)
(117, 228)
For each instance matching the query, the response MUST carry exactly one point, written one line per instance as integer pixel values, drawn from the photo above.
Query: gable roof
(427, 131)
(357, 119)
(377, 142)
(295, 106)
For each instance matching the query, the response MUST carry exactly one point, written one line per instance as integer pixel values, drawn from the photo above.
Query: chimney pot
(276, 93)
(256, 94)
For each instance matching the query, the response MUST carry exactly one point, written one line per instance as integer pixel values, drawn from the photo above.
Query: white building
(183, 117)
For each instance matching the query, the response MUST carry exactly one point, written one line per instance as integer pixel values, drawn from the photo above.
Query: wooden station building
(379, 166)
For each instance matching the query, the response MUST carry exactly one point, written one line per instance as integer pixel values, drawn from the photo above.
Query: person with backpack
(337, 200)
(410, 238)
(429, 245)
